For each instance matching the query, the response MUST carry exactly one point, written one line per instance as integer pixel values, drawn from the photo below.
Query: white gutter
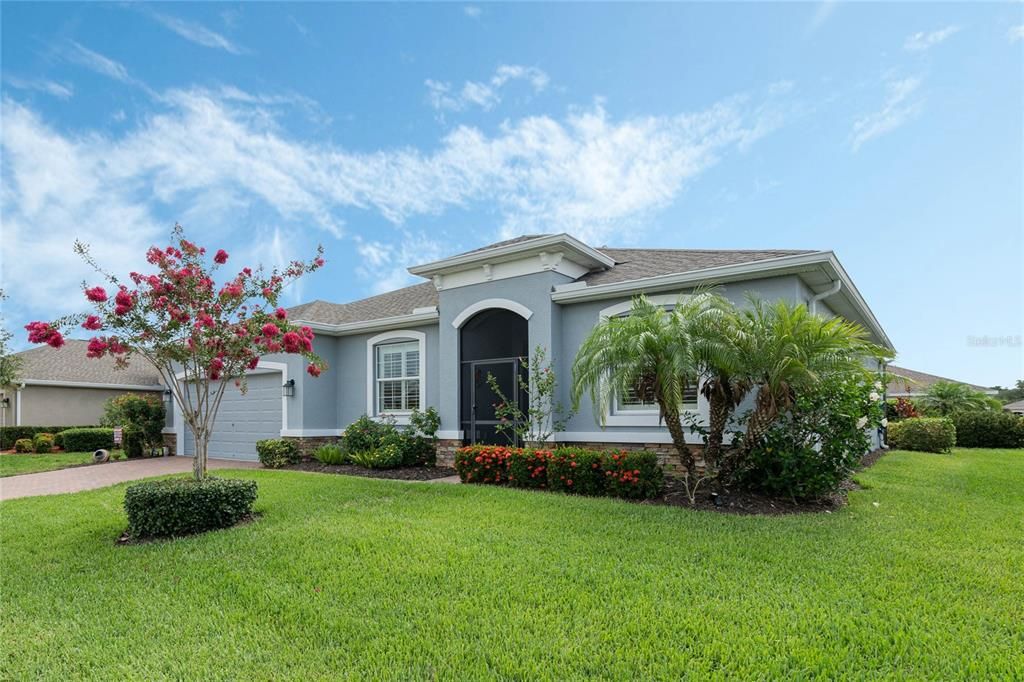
(418, 317)
(17, 405)
(90, 384)
(834, 289)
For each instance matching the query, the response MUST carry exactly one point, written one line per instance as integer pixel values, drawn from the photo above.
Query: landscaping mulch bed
(401, 474)
(747, 503)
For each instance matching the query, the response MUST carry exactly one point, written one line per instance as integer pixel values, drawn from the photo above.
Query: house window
(398, 377)
(641, 399)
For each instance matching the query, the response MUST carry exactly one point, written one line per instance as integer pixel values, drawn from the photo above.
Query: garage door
(244, 419)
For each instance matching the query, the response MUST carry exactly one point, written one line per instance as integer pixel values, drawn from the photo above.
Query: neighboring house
(1015, 407)
(434, 343)
(63, 387)
(909, 383)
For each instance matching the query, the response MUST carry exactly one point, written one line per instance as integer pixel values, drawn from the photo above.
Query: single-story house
(478, 313)
(63, 387)
(909, 383)
(1016, 407)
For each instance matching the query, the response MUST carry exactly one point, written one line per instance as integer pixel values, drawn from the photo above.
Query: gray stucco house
(433, 343)
(63, 387)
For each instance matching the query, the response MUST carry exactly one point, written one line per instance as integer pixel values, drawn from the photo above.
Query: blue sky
(395, 134)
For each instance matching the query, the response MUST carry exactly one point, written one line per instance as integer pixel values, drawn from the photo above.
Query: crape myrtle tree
(199, 336)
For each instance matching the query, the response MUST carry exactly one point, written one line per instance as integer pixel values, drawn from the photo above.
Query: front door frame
(516, 363)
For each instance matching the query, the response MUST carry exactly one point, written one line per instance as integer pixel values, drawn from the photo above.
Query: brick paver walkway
(75, 479)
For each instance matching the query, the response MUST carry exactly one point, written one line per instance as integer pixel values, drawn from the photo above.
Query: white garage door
(244, 419)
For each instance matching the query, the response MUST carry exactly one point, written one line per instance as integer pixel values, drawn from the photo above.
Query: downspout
(17, 405)
(831, 291)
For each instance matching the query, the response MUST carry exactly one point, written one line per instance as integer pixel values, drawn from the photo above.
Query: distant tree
(10, 363)
(943, 398)
(1009, 395)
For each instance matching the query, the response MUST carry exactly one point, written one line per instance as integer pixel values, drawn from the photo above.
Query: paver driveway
(100, 475)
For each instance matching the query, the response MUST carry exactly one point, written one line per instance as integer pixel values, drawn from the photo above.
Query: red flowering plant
(483, 463)
(576, 470)
(199, 337)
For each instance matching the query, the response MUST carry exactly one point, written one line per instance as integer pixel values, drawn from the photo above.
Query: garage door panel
(244, 419)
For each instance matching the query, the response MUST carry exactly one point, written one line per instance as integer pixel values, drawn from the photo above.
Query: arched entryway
(491, 342)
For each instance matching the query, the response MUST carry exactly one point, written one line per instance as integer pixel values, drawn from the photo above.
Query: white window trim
(179, 423)
(487, 303)
(402, 417)
(642, 417)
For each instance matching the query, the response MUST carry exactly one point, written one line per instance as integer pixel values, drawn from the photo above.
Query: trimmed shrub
(633, 475)
(925, 434)
(143, 414)
(176, 507)
(528, 468)
(134, 443)
(988, 429)
(387, 456)
(365, 434)
(576, 470)
(9, 434)
(87, 440)
(42, 443)
(275, 453)
(331, 454)
(24, 445)
(483, 463)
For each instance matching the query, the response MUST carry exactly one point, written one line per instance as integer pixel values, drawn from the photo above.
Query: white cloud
(484, 94)
(59, 90)
(822, 12)
(1016, 33)
(385, 265)
(472, 11)
(198, 34)
(94, 61)
(219, 160)
(921, 41)
(900, 106)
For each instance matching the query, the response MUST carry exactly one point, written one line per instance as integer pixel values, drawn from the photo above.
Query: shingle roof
(514, 240)
(918, 382)
(391, 304)
(630, 264)
(1016, 406)
(633, 264)
(69, 363)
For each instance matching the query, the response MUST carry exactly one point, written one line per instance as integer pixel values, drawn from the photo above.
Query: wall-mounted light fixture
(288, 389)
(167, 396)
(6, 402)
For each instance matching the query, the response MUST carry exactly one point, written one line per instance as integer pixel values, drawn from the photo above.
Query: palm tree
(946, 397)
(655, 352)
(785, 349)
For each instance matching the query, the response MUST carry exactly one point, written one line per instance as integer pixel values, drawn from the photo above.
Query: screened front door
(482, 425)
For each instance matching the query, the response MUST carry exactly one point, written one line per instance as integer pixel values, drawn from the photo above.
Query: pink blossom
(125, 302)
(92, 322)
(231, 291)
(270, 329)
(267, 292)
(292, 342)
(313, 370)
(116, 347)
(318, 262)
(96, 294)
(221, 257)
(281, 313)
(97, 348)
(216, 367)
(255, 360)
(44, 332)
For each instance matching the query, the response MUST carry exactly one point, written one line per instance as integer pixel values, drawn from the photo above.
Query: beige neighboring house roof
(1016, 407)
(630, 264)
(910, 382)
(69, 366)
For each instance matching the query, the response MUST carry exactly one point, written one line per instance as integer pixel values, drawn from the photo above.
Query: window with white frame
(641, 398)
(398, 377)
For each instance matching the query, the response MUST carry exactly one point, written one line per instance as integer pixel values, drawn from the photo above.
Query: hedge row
(988, 429)
(176, 507)
(926, 434)
(631, 475)
(9, 434)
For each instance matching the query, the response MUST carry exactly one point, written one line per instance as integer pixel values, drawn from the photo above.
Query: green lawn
(12, 465)
(922, 576)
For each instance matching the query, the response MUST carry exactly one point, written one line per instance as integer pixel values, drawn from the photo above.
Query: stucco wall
(62, 406)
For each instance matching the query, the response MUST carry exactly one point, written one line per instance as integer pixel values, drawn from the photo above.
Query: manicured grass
(921, 577)
(12, 465)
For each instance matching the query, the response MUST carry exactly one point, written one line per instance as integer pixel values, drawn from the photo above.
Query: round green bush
(924, 434)
(177, 506)
(633, 475)
(24, 445)
(87, 440)
(42, 443)
(275, 453)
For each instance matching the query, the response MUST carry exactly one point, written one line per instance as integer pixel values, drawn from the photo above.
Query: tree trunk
(675, 429)
(199, 461)
(761, 419)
